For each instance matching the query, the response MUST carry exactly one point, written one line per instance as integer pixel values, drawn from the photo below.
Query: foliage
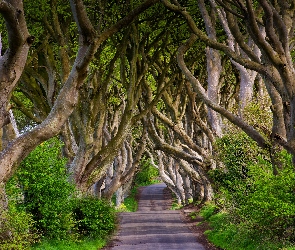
(260, 210)
(130, 202)
(269, 204)
(236, 151)
(231, 236)
(21, 228)
(254, 113)
(85, 244)
(43, 201)
(147, 175)
(209, 210)
(46, 191)
(175, 204)
(94, 217)
(40, 10)
(23, 122)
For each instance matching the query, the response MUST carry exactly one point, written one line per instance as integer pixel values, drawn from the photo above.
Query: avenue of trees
(202, 90)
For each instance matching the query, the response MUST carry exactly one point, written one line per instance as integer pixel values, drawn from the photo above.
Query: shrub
(256, 200)
(232, 236)
(269, 205)
(209, 210)
(147, 174)
(46, 191)
(236, 152)
(20, 226)
(94, 217)
(43, 202)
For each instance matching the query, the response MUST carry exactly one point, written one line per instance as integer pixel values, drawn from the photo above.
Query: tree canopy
(123, 81)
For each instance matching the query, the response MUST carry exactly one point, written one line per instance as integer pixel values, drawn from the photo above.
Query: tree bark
(13, 61)
(68, 97)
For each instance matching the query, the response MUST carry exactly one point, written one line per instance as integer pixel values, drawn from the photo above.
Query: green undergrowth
(130, 203)
(46, 212)
(231, 236)
(86, 244)
(147, 174)
(176, 205)
(254, 200)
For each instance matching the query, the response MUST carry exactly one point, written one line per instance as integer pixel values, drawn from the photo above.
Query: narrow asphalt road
(153, 226)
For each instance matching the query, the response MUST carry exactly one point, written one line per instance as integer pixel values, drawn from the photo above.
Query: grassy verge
(176, 206)
(230, 236)
(86, 244)
(130, 202)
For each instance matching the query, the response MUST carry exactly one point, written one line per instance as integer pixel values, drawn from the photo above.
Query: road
(154, 226)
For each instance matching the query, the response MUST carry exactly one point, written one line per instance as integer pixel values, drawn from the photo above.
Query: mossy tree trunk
(276, 64)
(13, 62)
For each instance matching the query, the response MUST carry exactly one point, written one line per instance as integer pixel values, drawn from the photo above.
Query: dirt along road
(154, 226)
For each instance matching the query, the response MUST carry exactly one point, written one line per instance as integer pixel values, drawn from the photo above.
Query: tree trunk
(79, 162)
(97, 187)
(214, 70)
(186, 186)
(207, 189)
(119, 196)
(278, 128)
(14, 59)
(166, 178)
(246, 88)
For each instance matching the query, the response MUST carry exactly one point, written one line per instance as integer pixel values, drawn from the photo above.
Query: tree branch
(202, 94)
(214, 44)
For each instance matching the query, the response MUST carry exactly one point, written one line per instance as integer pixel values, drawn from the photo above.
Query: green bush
(257, 202)
(40, 195)
(20, 226)
(208, 211)
(45, 190)
(229, 235)
(147, 174)
(94, 217)
(269, 205)
(236, 152)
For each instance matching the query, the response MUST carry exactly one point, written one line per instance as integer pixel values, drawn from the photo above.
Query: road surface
(154, 226)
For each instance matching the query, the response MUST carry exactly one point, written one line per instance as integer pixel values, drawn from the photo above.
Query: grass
(193, 215)
(86, 244)
(229, 236)
(175, 205)
(130, 202)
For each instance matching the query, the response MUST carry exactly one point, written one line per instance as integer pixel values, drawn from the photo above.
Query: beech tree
(266, 25)
(190, 154)
(179, 131)
(93, 88)
(13, 61)
(117, 75)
